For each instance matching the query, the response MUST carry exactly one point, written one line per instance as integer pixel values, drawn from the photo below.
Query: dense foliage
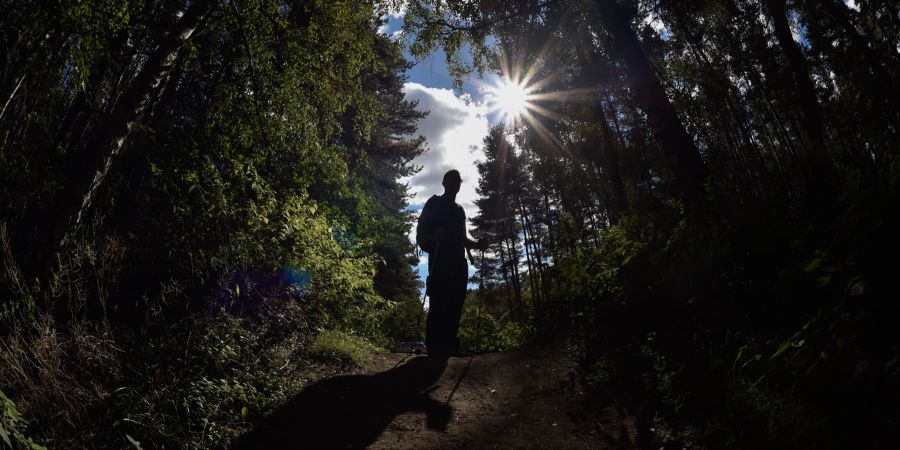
(706, 191)
(192, 193)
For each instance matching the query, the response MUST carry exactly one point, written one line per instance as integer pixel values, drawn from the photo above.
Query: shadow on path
(352, 411)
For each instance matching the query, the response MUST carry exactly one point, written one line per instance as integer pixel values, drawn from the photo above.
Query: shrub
(343, 347)
(12, 426)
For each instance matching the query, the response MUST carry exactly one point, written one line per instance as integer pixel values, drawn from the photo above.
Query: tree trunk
(683, 157)
(512, 251)
(609, 158)
(819, 196)
(535, 254)
(811, 127)
(504, 268)
(532, 273)
(87, 168)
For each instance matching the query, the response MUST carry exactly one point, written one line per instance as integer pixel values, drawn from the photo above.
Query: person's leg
(432, 326)
(456, 301)
(454, 314)
(438, 337)
(446, 296)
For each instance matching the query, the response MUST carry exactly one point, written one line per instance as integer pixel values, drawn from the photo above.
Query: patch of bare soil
(528, 398)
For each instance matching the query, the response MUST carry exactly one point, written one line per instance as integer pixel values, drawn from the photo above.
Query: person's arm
(480, 244)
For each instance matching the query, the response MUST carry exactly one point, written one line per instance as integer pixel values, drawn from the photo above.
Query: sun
(510, 98)
(521, 95)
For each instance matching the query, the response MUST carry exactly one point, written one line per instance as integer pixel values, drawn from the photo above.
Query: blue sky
(455, 128)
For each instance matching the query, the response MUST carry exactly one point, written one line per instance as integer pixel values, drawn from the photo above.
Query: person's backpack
(434, 208)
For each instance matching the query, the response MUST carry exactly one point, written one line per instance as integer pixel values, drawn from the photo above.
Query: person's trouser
(446, 293)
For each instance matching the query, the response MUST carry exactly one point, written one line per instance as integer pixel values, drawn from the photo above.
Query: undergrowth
(742, 334)
(341, 346)
(197, 383)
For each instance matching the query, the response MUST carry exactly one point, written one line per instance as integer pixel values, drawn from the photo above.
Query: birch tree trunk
(88, 168)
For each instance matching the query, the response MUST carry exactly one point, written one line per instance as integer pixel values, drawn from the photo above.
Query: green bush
(478, 330)
(513, 335)
(12, 426)
(343, 347)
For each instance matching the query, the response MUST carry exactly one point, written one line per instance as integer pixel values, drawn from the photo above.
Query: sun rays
(513, 95)
(521, 97)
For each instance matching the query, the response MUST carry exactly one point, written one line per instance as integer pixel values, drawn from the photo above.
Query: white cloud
(392, 21)
(851, 4)
(455, 129)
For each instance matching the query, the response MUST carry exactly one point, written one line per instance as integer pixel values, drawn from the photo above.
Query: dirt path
(529, 398)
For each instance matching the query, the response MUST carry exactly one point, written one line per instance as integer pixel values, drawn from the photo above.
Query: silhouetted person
(441, 232)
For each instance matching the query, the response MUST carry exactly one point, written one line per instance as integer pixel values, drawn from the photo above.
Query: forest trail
(528, 398)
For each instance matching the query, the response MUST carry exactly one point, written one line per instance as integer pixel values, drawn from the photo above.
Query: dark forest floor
(528, 398)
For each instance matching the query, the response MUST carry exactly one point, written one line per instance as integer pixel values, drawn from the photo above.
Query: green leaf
(781, 348)
(738, 357)
(5, 435)
(244, 412)
(813, 265)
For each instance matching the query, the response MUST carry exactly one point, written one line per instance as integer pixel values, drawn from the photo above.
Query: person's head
(452, 181)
